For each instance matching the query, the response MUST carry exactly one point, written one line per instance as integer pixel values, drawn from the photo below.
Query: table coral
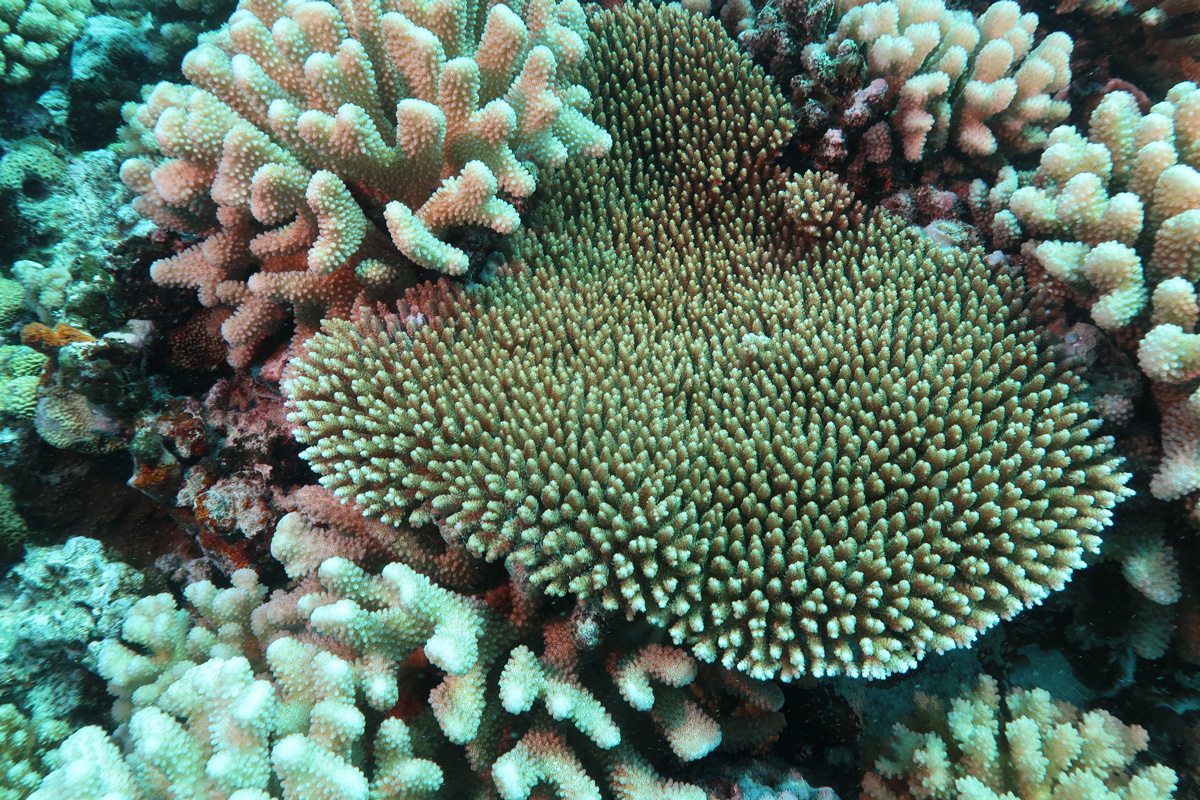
(1027, 748)
(322, 148)
(798, 436)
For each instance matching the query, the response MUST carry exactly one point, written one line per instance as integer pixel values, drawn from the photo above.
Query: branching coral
(977, 83)
(311, 695)
(1116, 216)
(24, 745)
(804, 440)
(330, 145)
(35, 33)
(1031, 747)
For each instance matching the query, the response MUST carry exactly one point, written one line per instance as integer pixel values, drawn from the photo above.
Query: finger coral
(35, 33)
(800, 437)
(977, 83)
(247, 703)
(1115, 217)
(1027, 748)
(320, 148)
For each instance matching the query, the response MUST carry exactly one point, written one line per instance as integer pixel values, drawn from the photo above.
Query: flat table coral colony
(758, 429)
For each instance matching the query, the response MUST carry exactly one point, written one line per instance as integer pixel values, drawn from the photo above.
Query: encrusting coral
(52, 604)
(801, 438)
(1030, 747)
(12, 296)
(321, 148)
(310, 694)
(1115, 217)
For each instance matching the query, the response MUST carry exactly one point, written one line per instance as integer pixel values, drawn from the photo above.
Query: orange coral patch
(43, 338)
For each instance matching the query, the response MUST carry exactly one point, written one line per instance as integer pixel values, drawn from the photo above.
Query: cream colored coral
(334, 147)
(1117, 216)
(1151, 567)
(1029, 747)
(35, 32)
(977, 82)
(690, 732)
(526, 680)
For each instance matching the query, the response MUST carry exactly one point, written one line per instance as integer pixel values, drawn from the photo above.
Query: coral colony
(634, 400)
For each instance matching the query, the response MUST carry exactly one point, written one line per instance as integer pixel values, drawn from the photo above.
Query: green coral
(24, 747)
(12, 299)
(32, 162)
(35, 32)
(20, 372)
(13, 531)
(19, 361)
(798, 436)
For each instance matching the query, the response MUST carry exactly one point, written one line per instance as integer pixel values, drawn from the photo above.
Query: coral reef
(622, 413)
(1031, 747)
(332, 149)
(237, 703)
(69, 226)
(89, 390)
(801, 438)
(52, 605)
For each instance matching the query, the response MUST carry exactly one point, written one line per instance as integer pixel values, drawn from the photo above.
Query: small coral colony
(635, 400)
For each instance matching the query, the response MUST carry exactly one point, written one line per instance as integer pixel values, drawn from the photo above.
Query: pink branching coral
(324, 149)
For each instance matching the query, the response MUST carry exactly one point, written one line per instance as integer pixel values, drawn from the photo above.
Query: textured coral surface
(327, 149)
(803, 439)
